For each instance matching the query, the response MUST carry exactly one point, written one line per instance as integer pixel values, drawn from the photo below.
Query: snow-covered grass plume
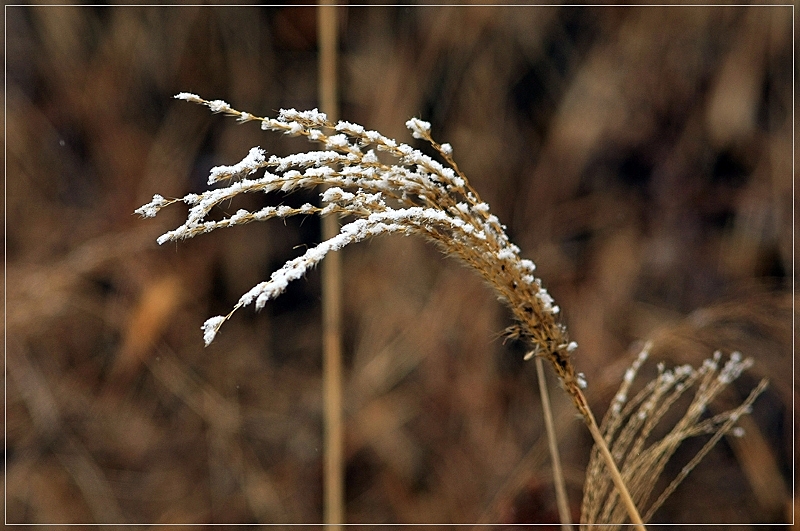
(414, 195)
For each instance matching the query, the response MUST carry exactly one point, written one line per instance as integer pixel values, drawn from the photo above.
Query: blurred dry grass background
(642, 157)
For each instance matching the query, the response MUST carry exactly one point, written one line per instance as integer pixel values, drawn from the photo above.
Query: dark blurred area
(641, 156)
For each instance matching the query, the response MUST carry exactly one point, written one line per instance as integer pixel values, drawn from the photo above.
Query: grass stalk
(334, 509)
(558, 475)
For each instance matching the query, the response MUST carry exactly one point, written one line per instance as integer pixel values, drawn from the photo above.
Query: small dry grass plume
(629, 423)
(641, 155)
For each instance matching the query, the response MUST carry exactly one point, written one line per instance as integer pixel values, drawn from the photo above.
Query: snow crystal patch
(419, 128)
(211, 327)
(151, 209)
(219, 106)
(252, 162)
(188, 96)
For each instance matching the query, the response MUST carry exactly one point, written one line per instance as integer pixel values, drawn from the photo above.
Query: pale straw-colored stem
(327, 27)
(558, 475)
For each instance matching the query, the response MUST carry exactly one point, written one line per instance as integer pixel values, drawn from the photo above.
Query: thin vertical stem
(558, 475)
(327, 34)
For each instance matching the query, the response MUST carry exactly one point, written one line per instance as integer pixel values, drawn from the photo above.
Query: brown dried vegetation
(640, 156)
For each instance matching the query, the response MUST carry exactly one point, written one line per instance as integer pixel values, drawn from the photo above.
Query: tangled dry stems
(628, 427)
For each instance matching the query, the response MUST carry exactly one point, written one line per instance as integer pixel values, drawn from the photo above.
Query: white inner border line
(5, 239)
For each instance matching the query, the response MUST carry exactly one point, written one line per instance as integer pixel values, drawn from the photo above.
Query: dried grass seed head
(417, 195)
